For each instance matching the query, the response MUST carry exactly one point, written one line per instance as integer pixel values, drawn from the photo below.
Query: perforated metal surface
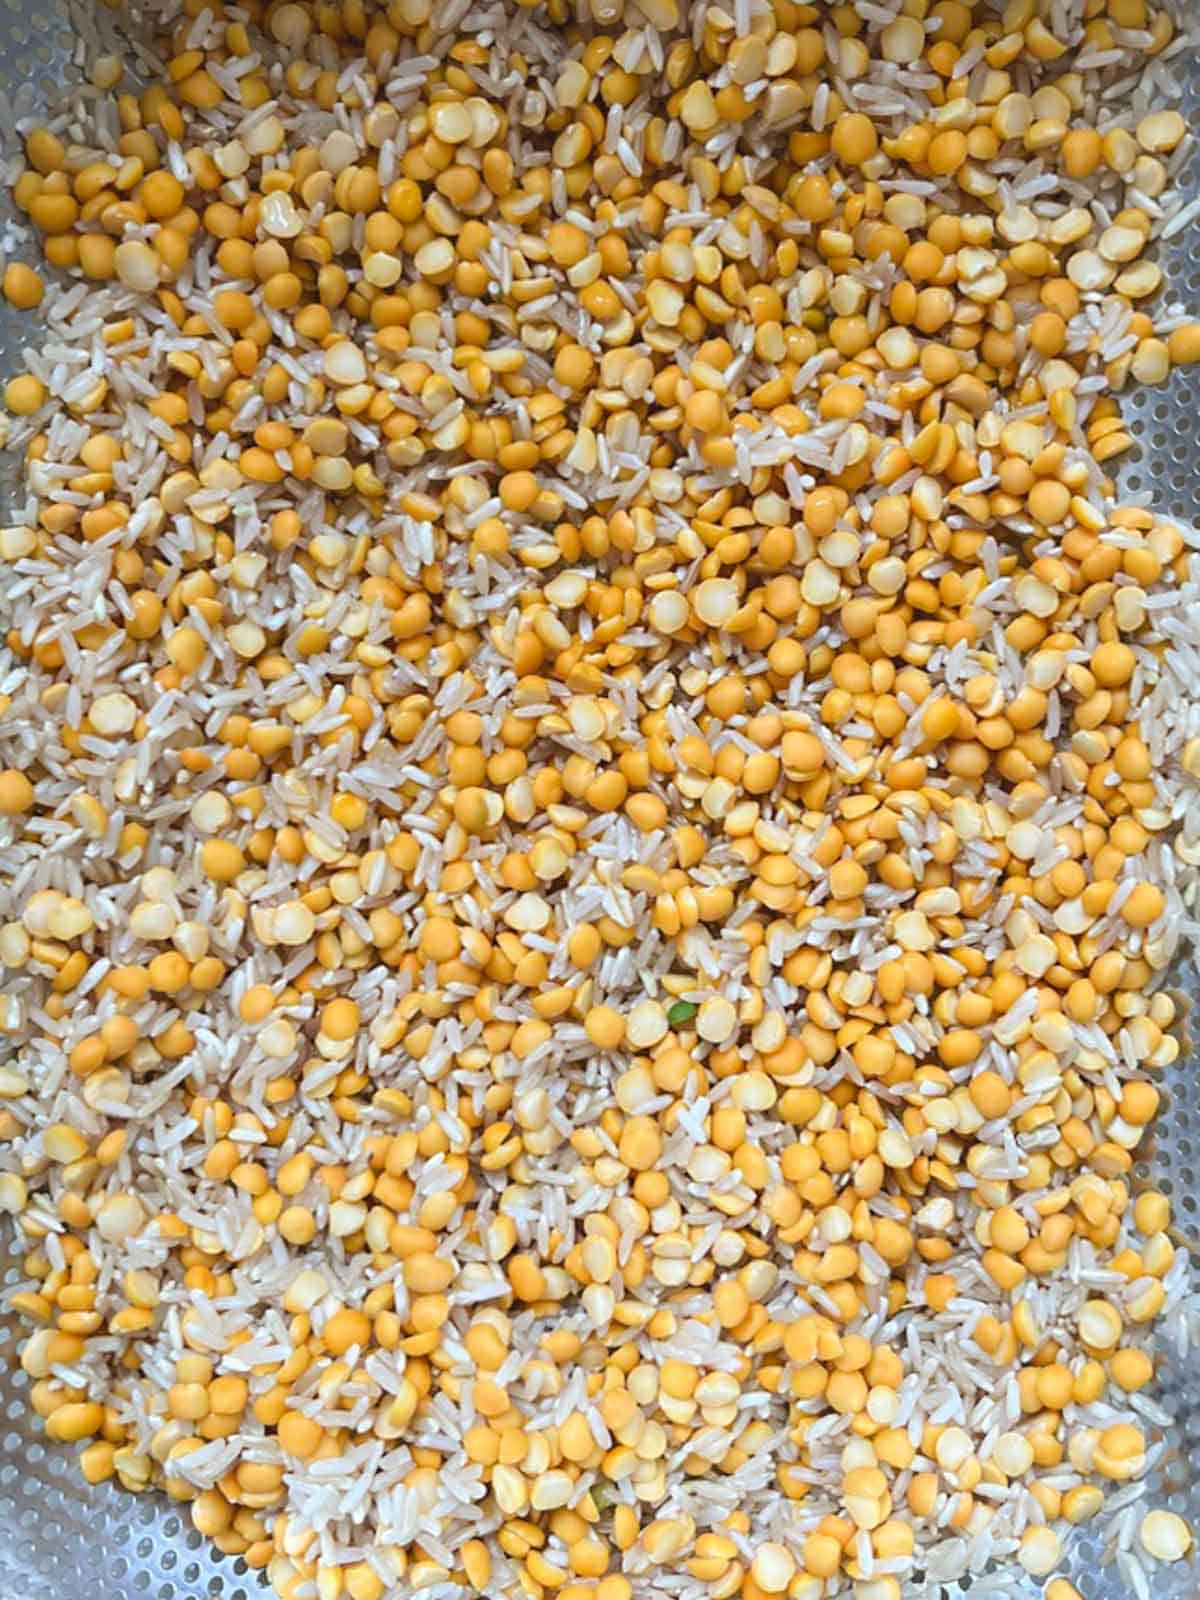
(1166, 421)
(60, 1537)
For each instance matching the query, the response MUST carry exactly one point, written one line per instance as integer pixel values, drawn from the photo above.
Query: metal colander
(59, 1537)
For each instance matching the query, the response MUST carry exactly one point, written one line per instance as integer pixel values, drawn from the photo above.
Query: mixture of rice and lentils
(599, 787)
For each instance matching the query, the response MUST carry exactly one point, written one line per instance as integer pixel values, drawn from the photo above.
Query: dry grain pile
(598, 787)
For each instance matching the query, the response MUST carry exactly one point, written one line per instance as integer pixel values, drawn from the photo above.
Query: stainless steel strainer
(58, 1537)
